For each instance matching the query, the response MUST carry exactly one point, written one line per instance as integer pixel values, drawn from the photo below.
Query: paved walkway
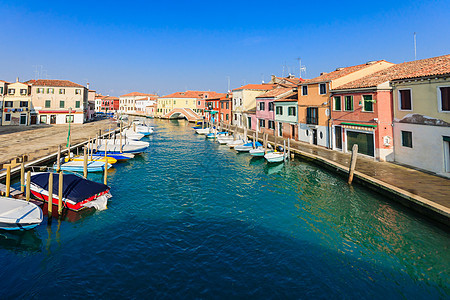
(432, 191)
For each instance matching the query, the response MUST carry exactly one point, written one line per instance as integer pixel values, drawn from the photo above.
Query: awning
(355, 126)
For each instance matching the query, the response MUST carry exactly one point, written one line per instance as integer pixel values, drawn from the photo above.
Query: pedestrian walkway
(425, 192)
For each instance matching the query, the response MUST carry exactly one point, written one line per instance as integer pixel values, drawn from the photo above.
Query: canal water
(193, 219)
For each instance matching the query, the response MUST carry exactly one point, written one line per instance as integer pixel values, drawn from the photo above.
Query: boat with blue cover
(116, 156)
(247, 147)
(78, 166)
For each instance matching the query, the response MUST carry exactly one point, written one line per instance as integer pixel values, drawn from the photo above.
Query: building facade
(286, 115)
(59, 101)
(17, 105)
(127, 102)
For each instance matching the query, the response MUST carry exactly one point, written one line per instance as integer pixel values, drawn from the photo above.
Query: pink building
(265, 108)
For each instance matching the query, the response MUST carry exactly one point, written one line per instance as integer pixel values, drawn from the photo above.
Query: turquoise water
(194, 219)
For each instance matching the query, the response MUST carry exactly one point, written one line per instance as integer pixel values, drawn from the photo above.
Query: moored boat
(77, 191)
(78, 166)
(257, 152)
(116, 156)
(216, 134)
(247, 147)
(18, 214)
(109, 159)
(275, 157)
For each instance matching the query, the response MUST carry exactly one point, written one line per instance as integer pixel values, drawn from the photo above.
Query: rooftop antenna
(415, 48)
(262, 77)
(228, 79)
(301, 68)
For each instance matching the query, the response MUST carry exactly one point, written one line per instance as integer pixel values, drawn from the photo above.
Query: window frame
(63, 104)
(351, 101)
(13, 91)
(364, 103)
(304, 88)
(439, 98)
(8, 102)
(279, 110)
(7, 117)
(262, 123)
(335, 101)
(400, 99)
(23, 92)
(77, 91)
(293, 110)
(262, 106)
(62, 91)
(403, 132)
(77, 104)
(320, 88)
(50, 90)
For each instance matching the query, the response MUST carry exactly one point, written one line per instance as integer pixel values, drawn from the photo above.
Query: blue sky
(161, 46)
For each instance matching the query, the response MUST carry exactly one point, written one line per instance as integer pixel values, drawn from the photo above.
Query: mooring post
(105, 181)
(60, 193)
(120, 135)
(254, 142)
(284, 149)
(58, 162)
(289, 148)
(50, 195)
(352, 163)
(28, 192)
(22, 177)
(91, 148)
(85, 163)
(8, 180)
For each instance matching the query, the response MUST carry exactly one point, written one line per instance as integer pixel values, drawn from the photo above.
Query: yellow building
(17, 105)
(421, 102)
(192, 100)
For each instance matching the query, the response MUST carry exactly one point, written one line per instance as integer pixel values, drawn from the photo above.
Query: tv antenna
(415, 48)
(301, 68)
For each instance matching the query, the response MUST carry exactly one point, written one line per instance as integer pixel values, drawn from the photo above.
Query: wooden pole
(254, 143)
(120, 136)
(58, 162)
(352, 163)
(284, 149)
(105, 181)
(22, 177)
(8, 180)
(60, 193)
(289, 148)
(85, 161)
(50, 195)
(91, 145)
(27, 195)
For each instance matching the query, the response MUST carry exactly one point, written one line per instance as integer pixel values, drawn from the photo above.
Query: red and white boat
(78, 192)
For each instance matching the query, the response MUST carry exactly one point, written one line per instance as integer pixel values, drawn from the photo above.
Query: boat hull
(18, 214)
(275, 157)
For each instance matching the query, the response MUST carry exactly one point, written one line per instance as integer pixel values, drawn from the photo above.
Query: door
(280, 129)
(52, 119)
(293, 131)
(447, 154)
(364, 141)
(23, 119)
(314, 136)
(338, 137)
(33, 119)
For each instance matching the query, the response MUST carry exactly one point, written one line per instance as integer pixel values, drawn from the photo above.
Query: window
(174, 102)
(47, 103)
(322, 88)
(62, 91)
(291, 111)
(337, 103)
(444, 95)
(240, 101)
(221, 105)
(368, 103)
(43, 119)
(50, 91)
(227, 116)
(198, 103)
(8, 104)
(1, 90)
(271, 106)
(312, 116)
(11, 91)
(405, 99)
(235, 117)
(23, 91)
(348, 103)
(228, 106)
(7, 117)
(69, 118)
(77, 104)
(40, 90)
(77, 92)
(23, 103)
(262, 106)
(271, 124)
(186, 102)
(61, 104)
(279, 110)
(262, 123)
(304, 90)
(23, 119)
(407, 139)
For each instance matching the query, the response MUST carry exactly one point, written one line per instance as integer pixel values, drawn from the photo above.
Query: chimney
(323, 73)
(272, 79)
(17, 79)
(87, 85)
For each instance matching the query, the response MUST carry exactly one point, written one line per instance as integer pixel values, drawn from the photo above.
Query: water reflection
(20, 241)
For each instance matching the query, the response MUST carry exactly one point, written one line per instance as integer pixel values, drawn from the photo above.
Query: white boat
(247, 147)
(233, 144)
(275, 157)
(202, 131)
(224, 139)
(78, 166)
(257, 152)
(18, 214)
(131, 135)
(144, 129)
(216, 134)
(127, 147)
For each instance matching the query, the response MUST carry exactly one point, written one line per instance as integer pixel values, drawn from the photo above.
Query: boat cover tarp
(257, 144)
(75, 187)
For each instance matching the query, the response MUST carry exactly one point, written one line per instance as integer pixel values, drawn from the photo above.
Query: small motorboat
(202, 130)
(216, 134)
(117, 156)
(225, 139)
(78, 166)
(257, 152)
(18, 214)
(131, 135)
(113, 146)
(110, 160)
(144, 129)
(247, 147)
(235, 143)
(275, 157)
(78, 192)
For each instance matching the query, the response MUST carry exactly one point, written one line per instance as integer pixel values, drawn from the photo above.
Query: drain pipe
(330, 140)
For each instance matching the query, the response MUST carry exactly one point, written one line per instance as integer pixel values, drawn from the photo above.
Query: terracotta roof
(218, 96)
(291, 97)
(4, 81)
(138, 94)
(340, 72)
(294, 80)
(264, 86)
(418, 68)
(109, 98)
(53, 82)
(275, 92)
(192, 94)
